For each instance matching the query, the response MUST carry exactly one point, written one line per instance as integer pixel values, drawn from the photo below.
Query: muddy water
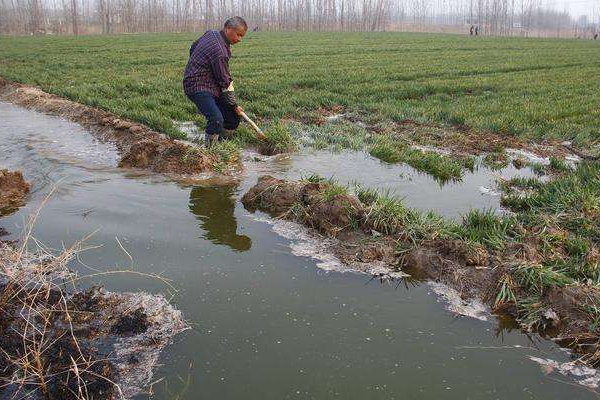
(268, 324)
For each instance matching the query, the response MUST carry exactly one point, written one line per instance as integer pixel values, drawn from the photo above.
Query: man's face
(234, 35)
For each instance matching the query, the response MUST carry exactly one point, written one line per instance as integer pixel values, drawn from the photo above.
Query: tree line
(491, 17)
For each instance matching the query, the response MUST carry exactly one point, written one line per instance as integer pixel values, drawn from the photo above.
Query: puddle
(267, 322)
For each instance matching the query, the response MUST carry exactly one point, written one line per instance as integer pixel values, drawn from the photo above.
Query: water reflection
(214, 208)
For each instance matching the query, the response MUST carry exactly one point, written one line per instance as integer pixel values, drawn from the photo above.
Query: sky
(576, 8)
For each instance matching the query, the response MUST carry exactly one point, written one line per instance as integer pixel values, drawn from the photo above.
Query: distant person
(255, 29)
(476, 31)
(472, 30)
(207, 82)
(596, 36)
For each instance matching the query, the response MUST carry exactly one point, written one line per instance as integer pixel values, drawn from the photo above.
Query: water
(419, 190)
(267, 324)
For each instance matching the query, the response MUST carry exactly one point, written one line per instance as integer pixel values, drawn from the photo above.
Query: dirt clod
(136, 129)
(273, 195)
(13, 190)
(122, 124)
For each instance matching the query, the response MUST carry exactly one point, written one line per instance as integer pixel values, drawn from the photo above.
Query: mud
(139, 146)
(471, 270)
(94, 371)
(13, 190)
(268, 148)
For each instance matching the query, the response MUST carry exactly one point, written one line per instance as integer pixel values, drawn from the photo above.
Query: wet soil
(472, 270)
(13, 190)
(456, 139)
(63, 348)
(140, 146)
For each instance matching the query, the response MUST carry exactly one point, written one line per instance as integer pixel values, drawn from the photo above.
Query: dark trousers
(219, 115)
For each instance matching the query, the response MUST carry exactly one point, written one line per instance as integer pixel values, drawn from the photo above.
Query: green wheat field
(535, 88)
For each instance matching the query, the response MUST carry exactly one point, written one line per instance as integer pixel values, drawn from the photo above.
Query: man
(207, 81)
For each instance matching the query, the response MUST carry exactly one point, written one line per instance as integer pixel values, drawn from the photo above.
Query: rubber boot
(210, 140)
(227, 134)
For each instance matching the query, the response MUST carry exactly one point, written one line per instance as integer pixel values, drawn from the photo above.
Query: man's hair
(236, 22)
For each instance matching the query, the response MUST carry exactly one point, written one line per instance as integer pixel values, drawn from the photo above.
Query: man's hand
(238, 110)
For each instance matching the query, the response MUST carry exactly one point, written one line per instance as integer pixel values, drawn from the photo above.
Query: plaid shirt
(208, 67)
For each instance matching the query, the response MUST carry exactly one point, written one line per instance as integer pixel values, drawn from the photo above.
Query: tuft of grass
(333, 190)
(496, 161)
(365, 195)
(442, 168)
(537, 168)
(506, 291)
(278, 139)
(191, 155)
(538, 277)
(520, 182)
(559, 165)
(469, 162)
(386, 214)
(226, 152)
(313, 178)
(487, 228)
(389, 215)
(386, 150)
(531, 313)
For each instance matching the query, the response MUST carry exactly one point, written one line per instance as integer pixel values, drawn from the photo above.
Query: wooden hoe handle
(252, 124)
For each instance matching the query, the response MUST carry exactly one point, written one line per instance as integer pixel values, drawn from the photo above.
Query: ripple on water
(49, 138)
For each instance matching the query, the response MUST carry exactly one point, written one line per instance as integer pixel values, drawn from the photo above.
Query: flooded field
(267, 322)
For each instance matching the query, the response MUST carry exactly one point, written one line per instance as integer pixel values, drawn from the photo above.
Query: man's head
(234, 29)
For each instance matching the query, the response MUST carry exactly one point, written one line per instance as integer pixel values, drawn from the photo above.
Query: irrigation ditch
(366, 231)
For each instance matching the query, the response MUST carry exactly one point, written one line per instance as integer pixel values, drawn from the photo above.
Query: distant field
(531, 87)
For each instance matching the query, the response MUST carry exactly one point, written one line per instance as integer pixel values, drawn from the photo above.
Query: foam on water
(305, 244)
(164, 323)
(582, 374)
(454, 303)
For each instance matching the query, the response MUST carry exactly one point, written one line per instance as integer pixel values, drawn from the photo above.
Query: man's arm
(220, 70)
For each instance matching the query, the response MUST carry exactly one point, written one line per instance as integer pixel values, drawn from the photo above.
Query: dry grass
(43, 353)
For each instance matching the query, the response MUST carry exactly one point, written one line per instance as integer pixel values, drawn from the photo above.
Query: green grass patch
(488, 229)
(442, 168)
